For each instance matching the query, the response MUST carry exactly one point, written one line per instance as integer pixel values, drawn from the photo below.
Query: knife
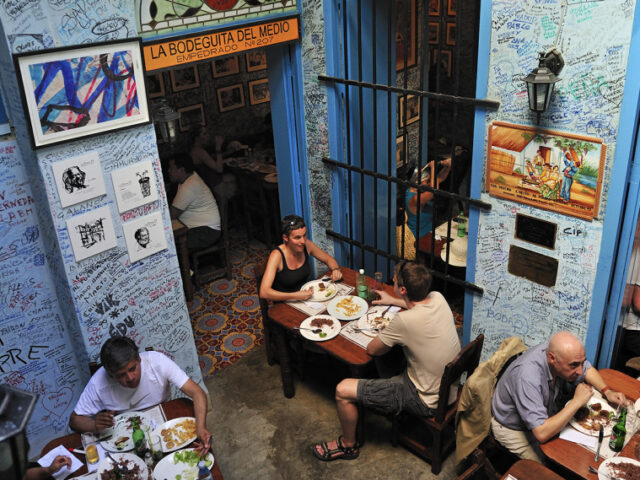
(600, 436)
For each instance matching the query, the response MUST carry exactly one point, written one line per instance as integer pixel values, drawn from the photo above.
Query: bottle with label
(148, 459)
(462, 225)
(361, 284)
(203, 471)
(619, 432)
(139, 441)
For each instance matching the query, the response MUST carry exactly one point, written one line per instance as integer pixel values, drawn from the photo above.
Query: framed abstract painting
(74, 92)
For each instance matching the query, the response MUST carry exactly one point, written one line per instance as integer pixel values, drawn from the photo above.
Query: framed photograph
(451, 33)
(91, 233)
(185, 79)
(433, 32)
(444, 57)
(231, 97)
(144, 236)
(79, 178)
(451, 7)
(73, 92)
(401, 150)
(408, 110)
(190, 116)
(405, 35)
(434, 7)
(259, 91)
(134, 186)
(256, 60)
(552, 170)
(155, 85)
(222, 67)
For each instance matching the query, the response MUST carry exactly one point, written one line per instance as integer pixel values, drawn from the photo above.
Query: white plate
(320, 295)
(122, 428)
(366, 320)
(360, 307)
(170, 447)
(330, 330)
(167, 469)
(127, 459)
(605, 472)
(596, 398)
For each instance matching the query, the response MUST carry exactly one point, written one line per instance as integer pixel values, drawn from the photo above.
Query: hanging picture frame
(190, 116)
(54, 85)
(401, 150)
(405, 27)
(451, 33)
(259, 91)
(451, 7)
(433, 32)
(256, 60)
(185, 78)
(155, 85)
(222, 67)
(433, 8)
(230, 98)
(408, 110)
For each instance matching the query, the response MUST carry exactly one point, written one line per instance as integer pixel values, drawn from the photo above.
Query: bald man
(541, 391)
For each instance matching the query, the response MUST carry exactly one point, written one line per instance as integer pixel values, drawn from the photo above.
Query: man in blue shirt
(541, 391)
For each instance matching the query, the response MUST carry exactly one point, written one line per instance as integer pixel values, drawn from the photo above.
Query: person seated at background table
(288, 267)
(427, 333)
(129, 380)
(194, 204)
(541, 391)
(209, 168)
(38, 472)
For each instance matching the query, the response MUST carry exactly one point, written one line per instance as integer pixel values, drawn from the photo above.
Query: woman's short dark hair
(117, 352)
(291, 222)
(415, 278)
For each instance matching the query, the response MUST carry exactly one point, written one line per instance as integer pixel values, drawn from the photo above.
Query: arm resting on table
(377, 348)
(193, 390)
(594, 378)
(85, 423)
(552, 425)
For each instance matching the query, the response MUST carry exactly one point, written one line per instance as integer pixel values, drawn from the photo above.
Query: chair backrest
(258, 272)
(94, 366)
(465, 362)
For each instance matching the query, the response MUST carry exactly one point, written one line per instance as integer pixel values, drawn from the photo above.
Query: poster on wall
(73, 92)
(553, 170)
(91, 233)
(134, 186)
(79, 179)
(144, 236)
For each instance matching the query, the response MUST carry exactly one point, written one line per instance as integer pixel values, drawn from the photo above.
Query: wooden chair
(255, 204)
(203, 274)
(269, 343)
(441, 426)
(94, 366)
(480, 468)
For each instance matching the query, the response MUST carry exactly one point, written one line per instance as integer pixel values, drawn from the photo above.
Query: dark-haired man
(427, 333)
(129, 380)
(194, 204)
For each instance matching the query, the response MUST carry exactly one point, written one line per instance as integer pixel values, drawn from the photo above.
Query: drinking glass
(89, 444)
(156, 448)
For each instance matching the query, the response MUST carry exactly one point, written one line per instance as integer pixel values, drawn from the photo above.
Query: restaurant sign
(194, 48)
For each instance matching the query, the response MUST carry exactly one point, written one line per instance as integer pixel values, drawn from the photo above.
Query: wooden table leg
(185, 266)
(284, 358)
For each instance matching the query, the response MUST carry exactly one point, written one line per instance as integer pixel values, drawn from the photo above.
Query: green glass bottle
(619, 432)
(139, 443)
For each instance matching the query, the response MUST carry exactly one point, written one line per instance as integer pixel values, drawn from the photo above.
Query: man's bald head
(565, 356)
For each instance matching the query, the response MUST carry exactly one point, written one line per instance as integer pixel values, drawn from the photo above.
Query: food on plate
(321, 286)
(320, 322)
(591, 416)
(133, 420)
(582, 413)
(348, 306)
(120, 443)
(379, 323)
(128, 470)
(190, 457)
(625, 471)
(179, 433)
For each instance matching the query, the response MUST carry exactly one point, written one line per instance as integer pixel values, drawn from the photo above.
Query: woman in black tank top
(288, 267)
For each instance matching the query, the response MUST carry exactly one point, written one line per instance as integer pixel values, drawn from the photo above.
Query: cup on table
(156, 448)
(90, 446)
(378, 284)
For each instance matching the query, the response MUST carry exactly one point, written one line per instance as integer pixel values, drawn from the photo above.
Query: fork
(356, 329)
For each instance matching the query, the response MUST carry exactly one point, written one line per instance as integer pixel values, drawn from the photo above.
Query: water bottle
(203, 471)
(462, 225)
(361, 283)
(619, 432)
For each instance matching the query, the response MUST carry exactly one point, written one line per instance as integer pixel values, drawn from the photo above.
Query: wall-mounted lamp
(167, 120)
(541, 80)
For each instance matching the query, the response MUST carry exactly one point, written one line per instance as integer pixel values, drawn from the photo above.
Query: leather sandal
(340, 453)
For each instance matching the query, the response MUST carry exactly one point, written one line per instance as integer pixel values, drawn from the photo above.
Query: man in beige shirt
(427, 333)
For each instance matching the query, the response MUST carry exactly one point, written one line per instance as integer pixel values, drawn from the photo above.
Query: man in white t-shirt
(194, 204)
(129, 380)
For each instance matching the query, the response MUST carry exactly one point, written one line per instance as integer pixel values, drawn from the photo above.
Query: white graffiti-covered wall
(594, 39)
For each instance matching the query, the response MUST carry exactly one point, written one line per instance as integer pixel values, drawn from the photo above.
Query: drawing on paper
(142, 236)
(548, 169)
(79, 178)
(145, 183)
(134, 186)
(73, 178)
(91, 233)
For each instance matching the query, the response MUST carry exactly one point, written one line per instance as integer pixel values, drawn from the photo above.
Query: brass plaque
(533, 266)
(534, 230)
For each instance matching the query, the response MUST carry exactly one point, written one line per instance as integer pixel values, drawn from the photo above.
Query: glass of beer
(89, 443)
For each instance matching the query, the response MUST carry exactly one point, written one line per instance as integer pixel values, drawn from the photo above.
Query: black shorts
(392, 395)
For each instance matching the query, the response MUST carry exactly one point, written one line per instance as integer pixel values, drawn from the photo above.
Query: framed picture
(433, 32)
(190, 116)
(401, 150)
(91, 233)
(408, 110)
(185, 78)
(259, 91)
(155, 85)
(434, 7)
(444, 57)
(231, 97)
(451, 7)
(256, 60)
(144, 236)
(73, 92)
(451, 33)
(222, 67)
(134, 186)
(405, 35)
(548, 169)
(79, 178)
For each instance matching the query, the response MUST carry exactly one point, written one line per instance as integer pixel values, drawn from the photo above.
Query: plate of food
(347, 307)
(323, 290)
(121, 440)
(328, 328)
(596, 412)
(181, 465)
(131, 466)
(176, 433)
(377, 317)
(623, 468)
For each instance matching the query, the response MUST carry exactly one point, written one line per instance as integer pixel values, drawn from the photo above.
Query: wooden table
(575, 458)
(180, 407)
(180, 234)
(530, 470)
(285, 318)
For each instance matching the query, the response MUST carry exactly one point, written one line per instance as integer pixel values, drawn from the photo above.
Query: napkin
(572, 435)
(64, 472)
(314, 305)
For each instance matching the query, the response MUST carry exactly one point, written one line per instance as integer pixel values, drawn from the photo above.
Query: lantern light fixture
(541, 80)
